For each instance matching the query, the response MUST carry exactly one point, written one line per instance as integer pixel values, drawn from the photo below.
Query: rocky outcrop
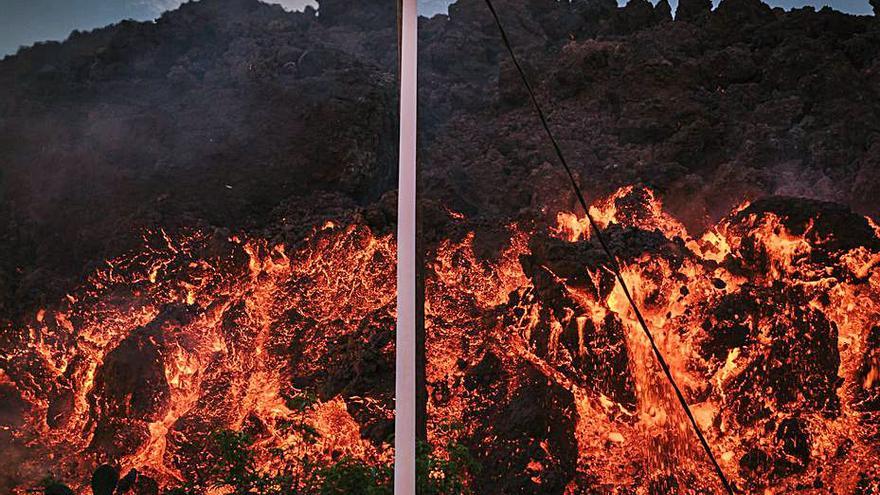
(215, 114)
(236, 116)
(692, 10)
(728, 105)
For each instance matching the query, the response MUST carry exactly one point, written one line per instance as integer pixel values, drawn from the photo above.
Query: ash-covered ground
(236, 118)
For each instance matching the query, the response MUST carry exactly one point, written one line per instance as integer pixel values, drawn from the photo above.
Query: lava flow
(163, 347)
(768, 322)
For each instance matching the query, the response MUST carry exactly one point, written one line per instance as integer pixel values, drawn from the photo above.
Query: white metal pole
(405, 372)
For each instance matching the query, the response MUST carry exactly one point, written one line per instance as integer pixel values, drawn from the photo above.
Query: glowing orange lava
(162, 347)
(768, 321)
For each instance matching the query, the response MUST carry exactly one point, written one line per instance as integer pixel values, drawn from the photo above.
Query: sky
(430, 7)
(24, 22)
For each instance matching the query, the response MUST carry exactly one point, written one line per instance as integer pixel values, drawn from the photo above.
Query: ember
(263, 143)
(766, 321)
(162, 347)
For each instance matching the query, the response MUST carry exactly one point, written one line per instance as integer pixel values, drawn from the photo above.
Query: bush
(236, 470)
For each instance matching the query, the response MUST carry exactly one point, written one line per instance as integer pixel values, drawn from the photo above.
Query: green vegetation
(235, 467)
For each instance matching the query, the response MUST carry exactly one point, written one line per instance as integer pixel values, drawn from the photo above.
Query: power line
(605, 247)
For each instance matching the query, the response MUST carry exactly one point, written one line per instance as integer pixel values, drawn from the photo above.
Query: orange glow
(750, 260)
(757, 317)
(218, 315)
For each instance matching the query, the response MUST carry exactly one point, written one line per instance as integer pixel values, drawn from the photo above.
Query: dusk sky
(23, 22)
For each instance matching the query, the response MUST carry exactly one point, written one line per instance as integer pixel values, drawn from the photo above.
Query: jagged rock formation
(216, 114)
(691, 10)
(707, 110)
(235, 116)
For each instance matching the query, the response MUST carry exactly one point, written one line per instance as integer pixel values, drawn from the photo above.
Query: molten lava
(768, 321)
(165, 346)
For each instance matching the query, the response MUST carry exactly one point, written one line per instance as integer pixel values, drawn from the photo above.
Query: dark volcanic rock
(829, 229)
(868, 485)
(794, 447)
(131, 383)
(104, 480)
(215, 114)
(224, 110)
(128, 481)
(58, 489)
(799, 369)
(744, 103)
(145, 486)
(368, 16)
(827, 226)
(237, 116)
(131, 389)
(738, 12)
(663, 10)
(867, 397)
(360, 365)
(691, 10)
(535, 426)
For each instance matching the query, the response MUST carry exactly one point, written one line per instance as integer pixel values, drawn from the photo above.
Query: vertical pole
(405, 373)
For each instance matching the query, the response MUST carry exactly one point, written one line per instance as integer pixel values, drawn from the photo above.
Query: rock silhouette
(104, 480)
(58, 489)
